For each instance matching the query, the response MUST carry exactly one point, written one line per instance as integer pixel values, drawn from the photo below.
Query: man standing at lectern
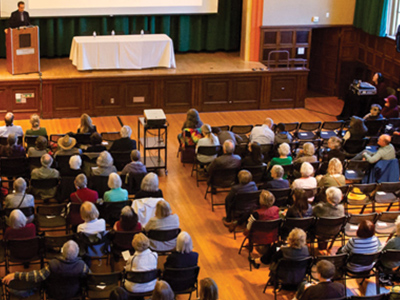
(19, 17)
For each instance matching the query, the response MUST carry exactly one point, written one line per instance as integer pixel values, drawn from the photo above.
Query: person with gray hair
(83, 193)
(116, 193)
(105, 165)
(9, 128)
(263, 134)
(125, 143)
(209, 139)
(75, 163)
(277, 182)
(12, 149)
(306, 154)
(45, 172)
(135, 166)
(332, 206)
(183, 256)
(19, 229)
(19, 198)
(228, 160)
(149, 187)
(307, 181)
(63, 274)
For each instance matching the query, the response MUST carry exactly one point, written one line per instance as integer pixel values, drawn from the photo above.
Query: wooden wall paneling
(28, 105)
(246, 92)
(215, 94)
(140, 95)
(266, 92)
(47, 100)
(4, 96)
(68, 98)
(177, 94)
(283, 92)
(108, 96)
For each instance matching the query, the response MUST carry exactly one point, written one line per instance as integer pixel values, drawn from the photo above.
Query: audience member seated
(40, 148)
(306, 181)
(95, 143)
(263, 134)
(226, 161)
(19, 198)
(162, 291)
(209, 139)
(306, 154)
(208, 289)
(66, 146)
(281, 135)
(332, 206)
(163, 220)
(295, 250)
(116, 193)
(333, 150)
(83, 193)
(284, 158)
(330, 290)
(391, 109)
(183, 257)
(254, 158)
(334, 176)
(36, 129)
(365, 242)
(386, 151)
(300, 208)
(245, 185)
(357, 129)
(45, 172)
(224, 135)
(75, 163)
(277, 181)
(12, 149)
(374, 114)
(267, 211)
(128, 221)
(10, 127)
(392, 244)
(136, 166)
(192, 119)
(105, 165)
(125, 143)
(62, 274)
(142, 260)
(90, 214)
(86, 125)
(149, 187)
(18, 228)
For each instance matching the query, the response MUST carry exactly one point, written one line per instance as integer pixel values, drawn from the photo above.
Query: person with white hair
(149, 187)
(125, 143)
(306, 154)
(116, 193)
(83, 193)
(19, 198)
(135, 166)
(306, 181)
(75, 163)
(228, 160)
(284, 156)
(277, 182)
(9, 128)
(263, 134)
(332, 206)
(209, 139)
(19, 229)
(105, 165)
(45, 172)
(90, 215)
(183, 256)
(63, 274)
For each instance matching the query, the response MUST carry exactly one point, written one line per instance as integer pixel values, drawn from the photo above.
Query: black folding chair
(386, 195)
(356, 170)
(330, 129)
(24, 251)
(183, 280)
(100, 285)
(198, 165)
(99, 184)
(111, 211)
(141, 277)
(121, 159)
(368, 190)
(51, 217)
(308, 130)
(385, 225)
(163, 236)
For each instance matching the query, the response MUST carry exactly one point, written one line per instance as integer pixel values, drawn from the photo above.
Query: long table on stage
(122, 52)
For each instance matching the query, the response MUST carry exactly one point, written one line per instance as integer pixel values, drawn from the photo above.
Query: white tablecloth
(122, 52)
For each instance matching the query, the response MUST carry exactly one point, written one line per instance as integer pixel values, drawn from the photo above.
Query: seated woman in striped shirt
(365, 242)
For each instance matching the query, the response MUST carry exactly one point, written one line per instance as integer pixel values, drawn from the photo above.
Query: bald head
(269, 122)
(9, 118)
(384, 140)
(228, 147)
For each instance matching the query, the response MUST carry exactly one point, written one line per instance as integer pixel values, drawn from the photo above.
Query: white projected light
(53, 8)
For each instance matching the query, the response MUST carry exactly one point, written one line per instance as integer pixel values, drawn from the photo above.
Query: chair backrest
(14, 167)
(366, 188)
(121, 159)
(143, 276)
(339, 260)
(388, 216)
(62, 162)
(292, 272)
(209, 150)
(132, 182)
(257, 172)
(364, 259)
(375, 127)
(53, 244)
(290, 223)
(181, 279)
(34, 162)
(241, 129)
(282, 196)
(332, 125)
(74, 214)
(357, 219)
(24, 250)
(30, 140)
(163, 235)
(83, 138)
(122, 240)
(355, 146)
(52, 209)
(111, 211)
(223, 177)
(99, 184)
(27, 211)
(329, 227)
(309, 126)
(291, 127)
(55, 137)
(4, 142)
(67, 187)
(110, 136)
(357, 165)
(245, 203)
(391, 255)
(389, 187)
(222, 128)
(45, 184)
(263, 227)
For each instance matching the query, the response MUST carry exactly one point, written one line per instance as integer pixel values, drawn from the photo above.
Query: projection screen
(58, 8)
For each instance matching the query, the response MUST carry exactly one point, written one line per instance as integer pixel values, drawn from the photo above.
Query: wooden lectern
(23, 50)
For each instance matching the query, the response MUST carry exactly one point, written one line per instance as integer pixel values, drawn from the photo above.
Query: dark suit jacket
(123, 144)
(226, 161)
(181, 260)
(15, 20)
(239, 188)
(329, 290)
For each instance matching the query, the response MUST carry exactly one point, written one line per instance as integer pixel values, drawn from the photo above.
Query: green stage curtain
(371, 16)
(208, 32)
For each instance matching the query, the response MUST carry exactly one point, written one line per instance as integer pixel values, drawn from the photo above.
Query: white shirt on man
(5, 131)
(262, 135)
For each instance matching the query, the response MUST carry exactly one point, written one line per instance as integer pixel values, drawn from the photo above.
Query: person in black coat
(19, 17)
(183, 257)
(277, 181)
(125, 143)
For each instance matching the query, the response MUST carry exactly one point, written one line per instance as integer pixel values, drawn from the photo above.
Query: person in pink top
(306, 181)
(18, 228)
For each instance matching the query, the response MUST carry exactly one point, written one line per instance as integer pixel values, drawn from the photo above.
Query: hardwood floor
(218, 251)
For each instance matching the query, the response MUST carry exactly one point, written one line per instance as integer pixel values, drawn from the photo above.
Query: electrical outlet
(112, 100)
(315, 19)
(327, 14)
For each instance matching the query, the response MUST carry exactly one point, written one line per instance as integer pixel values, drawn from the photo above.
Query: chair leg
(266, 285)
(212, 201)
(241, 246)
(378, 289)
(193, 169)
(205, 196)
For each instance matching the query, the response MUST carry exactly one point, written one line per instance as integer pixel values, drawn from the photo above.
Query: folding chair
(282, 197)
(368, 190)
(290, 223)
(62, 162)
(353, 221)
(99, 184)
(330, 129)
(385, 225)
(100, 285)
(53, 245)
(121, 159)
(22, 285)
(308, 130)
(221, 128)
(339, 261)
(111, 211)
(356, 170)
(163, 236)
(51, 217)
(12, 168)
(24, 251)
(386, 195)
(83, 138)
(375, 127)
(182, 280)
(121, 241)
(353, 147)
(291, 128)
(257, 172)
(110, 136)
(141, 277)
(242, 131)
(41, 187)
(132, 181)
(30, 140)
(328, 229)
(198, 165)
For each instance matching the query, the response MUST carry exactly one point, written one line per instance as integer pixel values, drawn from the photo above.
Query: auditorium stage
(207, 81)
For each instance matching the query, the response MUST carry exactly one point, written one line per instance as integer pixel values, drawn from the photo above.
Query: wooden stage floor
(218, 251)
(186, 64)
